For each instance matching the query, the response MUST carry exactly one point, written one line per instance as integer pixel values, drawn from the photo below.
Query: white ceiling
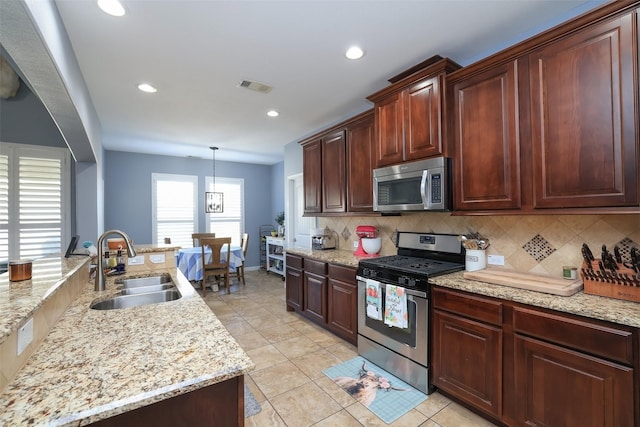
(197, 52)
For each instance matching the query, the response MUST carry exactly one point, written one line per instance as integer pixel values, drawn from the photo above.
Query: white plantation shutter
(229, 223)
(34, 199)
(175, 202)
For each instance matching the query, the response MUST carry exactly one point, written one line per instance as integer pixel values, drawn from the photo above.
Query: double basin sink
(141, 291)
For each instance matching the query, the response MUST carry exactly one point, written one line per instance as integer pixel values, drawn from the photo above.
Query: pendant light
(213, 201)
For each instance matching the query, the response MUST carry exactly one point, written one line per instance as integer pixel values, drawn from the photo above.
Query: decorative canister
(19, 269)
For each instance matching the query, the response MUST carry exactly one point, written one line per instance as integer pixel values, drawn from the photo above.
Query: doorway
(298, 226)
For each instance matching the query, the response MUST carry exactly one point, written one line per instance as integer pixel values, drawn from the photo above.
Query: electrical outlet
(495, 260)
(136, 260)
(355, 244)
(25, 335)
(156, 258)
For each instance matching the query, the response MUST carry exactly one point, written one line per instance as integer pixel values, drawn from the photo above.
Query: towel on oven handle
(373, 299)
(395, 307)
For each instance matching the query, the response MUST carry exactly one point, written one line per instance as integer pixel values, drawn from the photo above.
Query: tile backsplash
(540, 244)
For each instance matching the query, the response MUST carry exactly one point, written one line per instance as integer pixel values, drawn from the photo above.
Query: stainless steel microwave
(423, 185)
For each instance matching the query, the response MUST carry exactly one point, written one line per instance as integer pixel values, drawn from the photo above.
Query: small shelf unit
(275, 255)
(265, 231)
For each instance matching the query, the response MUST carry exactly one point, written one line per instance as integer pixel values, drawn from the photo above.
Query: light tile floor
(290, 354)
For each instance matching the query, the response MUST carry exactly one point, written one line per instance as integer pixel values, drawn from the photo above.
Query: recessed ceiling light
(272, 113)
(112, 7)
(146, 87)
(354, 52)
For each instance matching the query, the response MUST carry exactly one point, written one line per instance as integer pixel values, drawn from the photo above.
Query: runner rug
(384, 394)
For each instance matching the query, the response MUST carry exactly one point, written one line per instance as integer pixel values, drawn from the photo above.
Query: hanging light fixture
(213, 201)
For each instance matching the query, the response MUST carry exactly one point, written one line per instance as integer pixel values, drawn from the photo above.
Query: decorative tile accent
(394, 237)
(345, 233)
(538, 248)
(625, 246)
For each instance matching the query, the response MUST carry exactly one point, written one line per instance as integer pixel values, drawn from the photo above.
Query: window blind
(175, 208)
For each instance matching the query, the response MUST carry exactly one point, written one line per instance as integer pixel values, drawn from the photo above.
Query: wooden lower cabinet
(324, 293)
(560, 387)
(293, 283)
(220, 404)
(343, 302)
(523, 365)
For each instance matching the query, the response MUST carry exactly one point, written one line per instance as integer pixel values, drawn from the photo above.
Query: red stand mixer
(365, 232)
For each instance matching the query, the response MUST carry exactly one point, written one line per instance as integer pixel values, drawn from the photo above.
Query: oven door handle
(409, 291)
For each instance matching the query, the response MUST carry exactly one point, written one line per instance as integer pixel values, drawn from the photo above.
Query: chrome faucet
(100, 273)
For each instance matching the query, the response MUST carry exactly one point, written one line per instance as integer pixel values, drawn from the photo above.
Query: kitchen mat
(384, 394)
(251, 405)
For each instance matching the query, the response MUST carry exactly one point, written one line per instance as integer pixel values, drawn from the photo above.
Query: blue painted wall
(128, 192)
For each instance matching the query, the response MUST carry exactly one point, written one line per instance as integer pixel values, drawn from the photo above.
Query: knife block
(607, 286)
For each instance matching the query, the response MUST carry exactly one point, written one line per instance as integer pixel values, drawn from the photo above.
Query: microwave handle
(425, 191)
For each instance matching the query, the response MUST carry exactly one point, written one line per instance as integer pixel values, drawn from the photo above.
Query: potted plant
(280, 221)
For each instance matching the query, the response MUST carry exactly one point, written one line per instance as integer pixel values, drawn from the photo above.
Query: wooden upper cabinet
(486, 140)
(423, 119)
(312, 176)
(584, 91)
(409, 114)
(334, 184)
(360, 163)
(389, 144)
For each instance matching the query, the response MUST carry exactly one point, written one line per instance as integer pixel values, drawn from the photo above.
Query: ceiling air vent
(255, 86)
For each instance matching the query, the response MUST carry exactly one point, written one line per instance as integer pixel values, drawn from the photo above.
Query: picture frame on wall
(214, 202)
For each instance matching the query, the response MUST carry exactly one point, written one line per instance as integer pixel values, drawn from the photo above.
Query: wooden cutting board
(529, 281)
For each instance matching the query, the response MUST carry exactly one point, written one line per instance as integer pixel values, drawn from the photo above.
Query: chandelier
(213, 202)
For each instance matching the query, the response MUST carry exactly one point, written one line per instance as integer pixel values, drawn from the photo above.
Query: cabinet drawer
(294, 261)
(317, 267)
(344, 274)
(588, 336)
(472, 306)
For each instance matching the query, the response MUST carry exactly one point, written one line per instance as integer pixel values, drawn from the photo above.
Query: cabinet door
(487, 146)
(584, 118)
(360, 164)
(388, 130)
(467, 361)
(315, 297)
(312, 176)
(422, 115)
(560, 387)
(334, 185)
(294, 291)
(343, 309)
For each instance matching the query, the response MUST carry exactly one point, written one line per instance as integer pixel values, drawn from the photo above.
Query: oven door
(411, 341)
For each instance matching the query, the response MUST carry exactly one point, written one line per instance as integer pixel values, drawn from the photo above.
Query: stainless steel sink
(135, 300)
(145, 289)
(147, 281)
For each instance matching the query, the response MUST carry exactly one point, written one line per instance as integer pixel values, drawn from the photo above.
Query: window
(174, 206)
(34, 200)
(229, 223)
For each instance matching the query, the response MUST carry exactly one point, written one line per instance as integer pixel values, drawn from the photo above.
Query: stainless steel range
(404, 352)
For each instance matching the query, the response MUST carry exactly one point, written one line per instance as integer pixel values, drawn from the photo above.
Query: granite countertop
(591, 306)
(95, 364)
(334, 256)
(19, 300)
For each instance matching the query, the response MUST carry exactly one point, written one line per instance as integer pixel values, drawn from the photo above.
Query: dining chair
(197, 236)
(217, 267)
(244, 244)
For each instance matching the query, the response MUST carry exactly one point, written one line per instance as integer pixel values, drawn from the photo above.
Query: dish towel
(374, 299)
(395, 308)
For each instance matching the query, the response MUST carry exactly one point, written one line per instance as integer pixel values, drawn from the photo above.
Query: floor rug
(251, 405)
(384, 394)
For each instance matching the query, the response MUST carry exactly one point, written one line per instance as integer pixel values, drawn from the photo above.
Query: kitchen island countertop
(95, 364)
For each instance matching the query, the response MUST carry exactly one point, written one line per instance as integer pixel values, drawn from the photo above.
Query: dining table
(190, 260)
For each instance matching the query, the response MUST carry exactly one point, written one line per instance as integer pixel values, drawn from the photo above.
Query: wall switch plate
(495, 260)
(25, 336)
(136, 260)
(156, 258)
